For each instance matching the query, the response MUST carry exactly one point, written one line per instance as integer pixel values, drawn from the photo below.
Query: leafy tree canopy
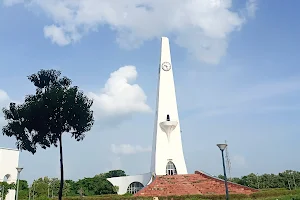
(115, 173)
(49, 187)
(288, 179)
(55, 108)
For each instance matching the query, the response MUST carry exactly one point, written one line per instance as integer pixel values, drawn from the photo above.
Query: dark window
(168, 117)
(134, 187)
(171, 169)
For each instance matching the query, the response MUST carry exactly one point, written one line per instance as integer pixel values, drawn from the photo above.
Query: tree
(5, 187)
(23, 190)
(41, 186)
(71, 189)
(55, 108)
(115, 173)
(116, 188)
(97, 185)
(288, 179)
(221, 177)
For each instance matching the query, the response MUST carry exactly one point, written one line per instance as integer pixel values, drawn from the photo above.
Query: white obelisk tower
(167, 153)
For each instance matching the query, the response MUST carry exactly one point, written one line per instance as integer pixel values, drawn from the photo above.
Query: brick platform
(191, 184)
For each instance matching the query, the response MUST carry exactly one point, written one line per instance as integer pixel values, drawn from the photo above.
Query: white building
(9, 160)
(167, 153)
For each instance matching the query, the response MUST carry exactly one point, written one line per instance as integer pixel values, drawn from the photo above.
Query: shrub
(274, 193)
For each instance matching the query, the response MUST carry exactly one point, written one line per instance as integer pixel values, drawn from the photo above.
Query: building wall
(164, 150)
(9, 160)
(124, 181)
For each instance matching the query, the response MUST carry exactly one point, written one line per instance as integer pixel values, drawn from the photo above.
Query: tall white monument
(167, 153)
(9, 161)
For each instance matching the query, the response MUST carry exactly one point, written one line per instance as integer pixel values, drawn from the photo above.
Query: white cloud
(3, 96)
(4, 101)
(251, 7)
(128, 149)
(57, 35)
(119, 98)
(201, 26)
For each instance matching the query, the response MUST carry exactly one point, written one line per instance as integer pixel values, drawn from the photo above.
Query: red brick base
(191, 184)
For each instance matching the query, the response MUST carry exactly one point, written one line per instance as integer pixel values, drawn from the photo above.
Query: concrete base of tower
(131, 184)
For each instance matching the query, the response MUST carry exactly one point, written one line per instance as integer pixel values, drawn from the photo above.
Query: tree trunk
(61, 186)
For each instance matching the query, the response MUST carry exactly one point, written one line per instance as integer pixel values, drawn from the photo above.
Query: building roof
(191, 184)
(10, 149)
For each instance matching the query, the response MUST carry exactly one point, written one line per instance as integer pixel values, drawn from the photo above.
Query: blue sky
(235, 67)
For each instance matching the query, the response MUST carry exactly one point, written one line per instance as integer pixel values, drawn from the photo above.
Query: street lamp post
(222, 148)
(19, 169)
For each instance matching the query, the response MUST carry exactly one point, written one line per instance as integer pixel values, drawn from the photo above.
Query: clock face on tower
(166, 66)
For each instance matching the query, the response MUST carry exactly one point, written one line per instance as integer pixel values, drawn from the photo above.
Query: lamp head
(222, 146)
(19, 169)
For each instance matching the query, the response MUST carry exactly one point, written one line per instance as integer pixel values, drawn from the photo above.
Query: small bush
(274, 193)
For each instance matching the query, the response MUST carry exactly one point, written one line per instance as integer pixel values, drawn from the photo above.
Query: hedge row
(265, 194)
(274, 193)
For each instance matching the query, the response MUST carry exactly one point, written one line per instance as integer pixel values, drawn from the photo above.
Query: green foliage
(49, 187)
(23, 185)
(116, 188)
(288, 179)
(23, 194)
(115, 173)
(4, 187)
(54, 109)
(275, 193)
(45, 187)
(23, 189)
(221, 177)
(95, 186)
(40, 187)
